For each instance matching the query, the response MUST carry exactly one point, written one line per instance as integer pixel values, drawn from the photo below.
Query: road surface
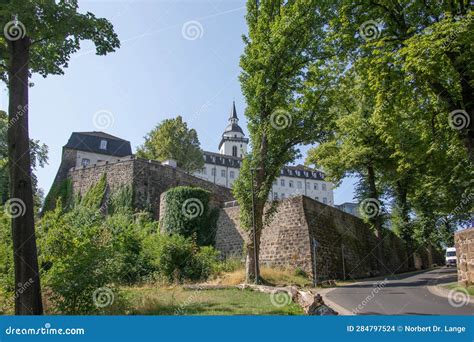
(401, 295)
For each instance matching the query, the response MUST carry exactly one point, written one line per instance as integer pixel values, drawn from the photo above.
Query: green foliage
(77, 256)
(178, 258)
(7, 283)
(62, 191)
(187, 213)
(94, 198)
(121, 199)
(55, 29)
(171, 139)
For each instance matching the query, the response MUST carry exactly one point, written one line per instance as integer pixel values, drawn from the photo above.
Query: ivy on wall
(187, 213)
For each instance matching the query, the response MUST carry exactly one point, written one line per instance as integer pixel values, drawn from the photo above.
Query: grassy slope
(456, 286)
(176, 301)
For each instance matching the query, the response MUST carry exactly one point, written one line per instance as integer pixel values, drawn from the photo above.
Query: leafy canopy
(171, 139)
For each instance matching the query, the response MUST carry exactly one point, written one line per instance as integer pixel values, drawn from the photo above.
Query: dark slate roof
(90, 142)
(298, 171)
(222, 159)
(233, 127)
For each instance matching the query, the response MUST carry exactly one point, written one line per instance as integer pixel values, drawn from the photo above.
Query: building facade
(223, 168)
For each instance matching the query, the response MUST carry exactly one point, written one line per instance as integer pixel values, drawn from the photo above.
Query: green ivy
(94, 197)
(63, 191)
(187, 213)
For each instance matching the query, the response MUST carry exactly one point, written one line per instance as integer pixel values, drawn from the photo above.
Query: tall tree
(172, 139)
(286, 84)
(39, 37)
(430, 40)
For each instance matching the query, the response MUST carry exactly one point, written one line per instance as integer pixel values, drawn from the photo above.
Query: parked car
(451, 256)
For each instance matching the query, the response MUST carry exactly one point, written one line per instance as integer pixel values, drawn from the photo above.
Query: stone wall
(343, 243)
(464, 242)
(148, 179)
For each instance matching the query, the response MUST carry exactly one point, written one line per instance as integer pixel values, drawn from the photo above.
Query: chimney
(170, 162)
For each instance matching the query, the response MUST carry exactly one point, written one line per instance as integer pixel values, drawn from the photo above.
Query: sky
(176, 58)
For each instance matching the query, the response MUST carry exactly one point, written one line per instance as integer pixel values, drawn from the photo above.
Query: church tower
(233, 142)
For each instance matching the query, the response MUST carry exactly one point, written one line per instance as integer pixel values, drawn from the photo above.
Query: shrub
(95, 195)
(77, 258)
(178, 258)
(61, 191)
(187, 213)
(7, 282)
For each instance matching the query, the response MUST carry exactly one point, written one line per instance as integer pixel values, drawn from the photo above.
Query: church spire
(233, 114)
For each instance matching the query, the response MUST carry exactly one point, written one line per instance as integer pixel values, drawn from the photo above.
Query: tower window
(223, 173)
(324, 186)
(103, 144)
(234, 151)
(85, 162)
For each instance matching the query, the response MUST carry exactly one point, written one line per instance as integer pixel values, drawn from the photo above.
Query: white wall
(318, 194)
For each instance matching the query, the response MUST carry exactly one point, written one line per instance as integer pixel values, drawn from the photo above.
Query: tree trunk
(27, 281)
(376, 220)
(252, 266)
(407, 231)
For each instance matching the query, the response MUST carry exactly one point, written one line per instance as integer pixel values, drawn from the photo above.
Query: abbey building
(222, 168)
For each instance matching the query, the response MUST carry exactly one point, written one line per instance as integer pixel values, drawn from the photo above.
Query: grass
(271, 276)
(149, 300)
(457, 287)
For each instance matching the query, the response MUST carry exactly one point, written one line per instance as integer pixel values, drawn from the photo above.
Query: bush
(7, 281)
(178, 258)
(187, 213)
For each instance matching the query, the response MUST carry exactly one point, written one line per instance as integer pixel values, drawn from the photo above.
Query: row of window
(283, 196)
(223, 173)
(299, 184)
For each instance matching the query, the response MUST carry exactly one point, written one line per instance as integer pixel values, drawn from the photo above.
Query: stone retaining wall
(148, 179)
(345, 245)
(464, 242)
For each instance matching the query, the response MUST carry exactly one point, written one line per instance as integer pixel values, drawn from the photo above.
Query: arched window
(234, 151)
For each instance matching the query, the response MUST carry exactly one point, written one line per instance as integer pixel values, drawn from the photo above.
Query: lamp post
(252, 170)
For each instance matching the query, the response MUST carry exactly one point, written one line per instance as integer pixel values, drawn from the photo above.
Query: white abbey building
(223, 168)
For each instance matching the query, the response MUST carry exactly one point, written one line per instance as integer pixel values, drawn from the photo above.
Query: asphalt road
(401, 295)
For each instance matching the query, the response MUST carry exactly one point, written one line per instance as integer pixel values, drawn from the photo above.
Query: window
(299, 185)
(316, 186)
(213, 171)
(282, 182)
(324, 186)
(316, 198)
(282, 196)
(234, 151)
(275, 182)
(231, 174)
(204, 171)
(223, 173)
(275, 195)
(290, 184)
(85, 162)
(103, 144)
(325, 200)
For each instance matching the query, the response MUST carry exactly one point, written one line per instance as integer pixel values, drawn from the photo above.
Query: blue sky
(177, 58)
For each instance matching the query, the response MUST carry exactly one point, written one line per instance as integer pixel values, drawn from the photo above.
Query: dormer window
(103, 144)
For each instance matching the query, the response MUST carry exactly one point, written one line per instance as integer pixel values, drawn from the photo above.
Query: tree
(40, 37)
(39, 158)
(171, 139)
(430, 41)
(287, 87)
